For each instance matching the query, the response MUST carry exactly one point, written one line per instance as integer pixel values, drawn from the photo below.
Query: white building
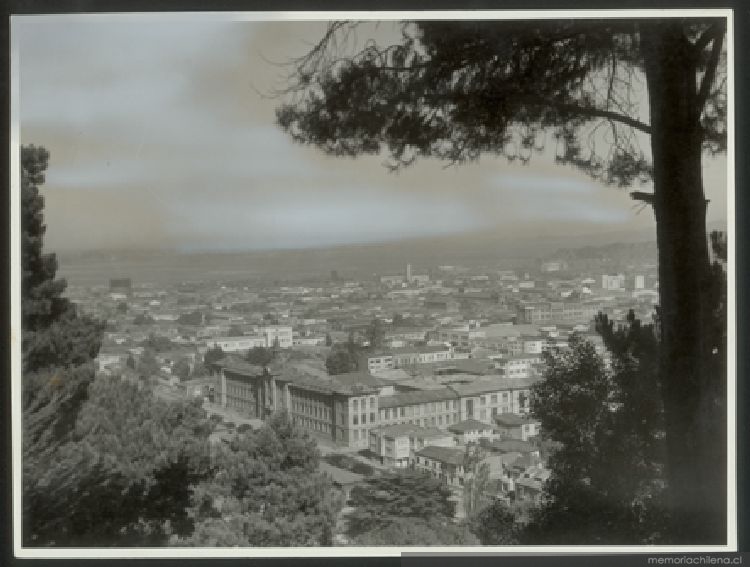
(613, 283)
(281, 334)
(235, 344)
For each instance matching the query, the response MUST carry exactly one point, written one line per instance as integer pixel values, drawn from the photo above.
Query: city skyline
(164, 131)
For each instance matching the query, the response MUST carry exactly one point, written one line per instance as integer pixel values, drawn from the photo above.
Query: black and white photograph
(371, 282)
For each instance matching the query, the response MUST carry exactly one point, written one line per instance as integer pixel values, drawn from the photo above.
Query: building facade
(346, 408)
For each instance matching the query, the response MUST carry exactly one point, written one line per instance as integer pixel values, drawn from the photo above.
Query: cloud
(164, 123)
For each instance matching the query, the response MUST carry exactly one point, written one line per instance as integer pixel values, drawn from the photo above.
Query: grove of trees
(107, 463)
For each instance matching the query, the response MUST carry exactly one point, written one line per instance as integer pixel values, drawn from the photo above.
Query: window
(493, 398)
(401, 412)
(355, 405)
(372, 417)
(364, 418)
(483, 400)
(372, 403)
(356, 419)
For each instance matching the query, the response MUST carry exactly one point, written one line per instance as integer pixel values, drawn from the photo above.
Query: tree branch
(710, 74)
(707, 37)
(647, 198)
(593, 112)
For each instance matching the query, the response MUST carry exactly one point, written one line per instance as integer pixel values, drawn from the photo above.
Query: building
(309, 341)
(444, 463)
(392, 280)
(341, 408)
(514, 426)
(394, 444)
(460, 336)
(277, 335)
(236, 344)
(471, 431)
(426, 408)
(555, 311)
(613, 283)
(404, 357)
(533, 344)
(553, 266)
(529, 486)
(346, 408)
(485, 398)
(518, 366)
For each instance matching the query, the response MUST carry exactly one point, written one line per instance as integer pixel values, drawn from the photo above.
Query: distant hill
(361, 260)
(618, 252)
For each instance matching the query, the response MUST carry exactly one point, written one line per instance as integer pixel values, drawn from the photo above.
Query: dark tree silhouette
(53, 333)
(457, 90)
(212, 355)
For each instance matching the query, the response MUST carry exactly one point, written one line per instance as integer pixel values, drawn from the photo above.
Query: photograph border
(152, 553)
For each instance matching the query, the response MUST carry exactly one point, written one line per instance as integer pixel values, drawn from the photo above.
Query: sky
(162, 135)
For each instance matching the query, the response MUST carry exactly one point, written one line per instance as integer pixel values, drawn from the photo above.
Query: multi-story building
(347, 407)
(277, 335)
(485, 398)
(394, 444)
(518, 366)
(426, 408)
(444, 463)
(471, 431)
(236, 344)
(555, 311)
(533, 344)
(461, 336)
(513, 426)
(613, 283)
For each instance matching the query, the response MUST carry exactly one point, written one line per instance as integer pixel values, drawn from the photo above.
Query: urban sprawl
(435, 359)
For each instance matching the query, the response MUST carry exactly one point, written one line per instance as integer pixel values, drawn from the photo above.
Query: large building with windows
(532, 313)
(346, 408)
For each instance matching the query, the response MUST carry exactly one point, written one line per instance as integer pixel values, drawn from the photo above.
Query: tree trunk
(696, 483)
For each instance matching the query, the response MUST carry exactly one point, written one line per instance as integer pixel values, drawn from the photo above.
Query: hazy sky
(159, 137)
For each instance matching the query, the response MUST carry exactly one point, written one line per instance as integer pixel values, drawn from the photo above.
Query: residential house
(471, 431)
(515, 426)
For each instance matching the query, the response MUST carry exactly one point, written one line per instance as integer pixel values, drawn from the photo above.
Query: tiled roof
(450, 455)
(469, 425)
(419, 397)
(410, 429)
(495, 383)
(360, 378)
(512, 445)
(511, 419)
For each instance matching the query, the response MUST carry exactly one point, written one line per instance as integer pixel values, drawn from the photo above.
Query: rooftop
(493, 384)
(511, 419)
(409, 429)
(469, 425)
(418, 397)
(450, 455)
(512, 446)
